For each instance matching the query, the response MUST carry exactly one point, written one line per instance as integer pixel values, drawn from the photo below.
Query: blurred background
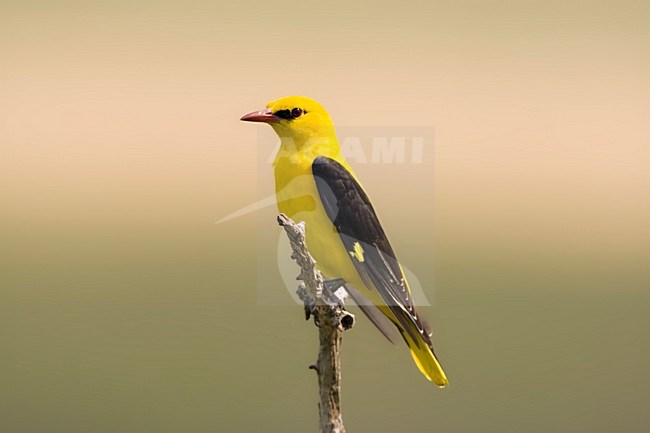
(124, 308)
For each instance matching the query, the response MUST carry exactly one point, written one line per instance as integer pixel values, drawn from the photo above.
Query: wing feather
(356, 221)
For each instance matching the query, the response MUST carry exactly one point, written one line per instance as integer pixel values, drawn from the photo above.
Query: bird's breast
(298, 198)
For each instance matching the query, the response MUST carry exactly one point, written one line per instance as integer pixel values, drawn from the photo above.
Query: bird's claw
(329, 297)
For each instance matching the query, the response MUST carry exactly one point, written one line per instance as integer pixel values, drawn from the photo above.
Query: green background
(124, 308)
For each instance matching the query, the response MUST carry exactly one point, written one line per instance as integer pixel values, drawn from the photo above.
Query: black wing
(381, 322)
(354, 217)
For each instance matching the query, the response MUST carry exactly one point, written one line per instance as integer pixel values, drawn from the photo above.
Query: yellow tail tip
(429, 365)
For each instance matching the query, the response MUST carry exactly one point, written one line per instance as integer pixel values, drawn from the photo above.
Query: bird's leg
(329, 297)
(310, 304)
(330, 287)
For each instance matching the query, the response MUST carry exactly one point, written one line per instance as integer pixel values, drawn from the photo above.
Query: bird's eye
(296, 112)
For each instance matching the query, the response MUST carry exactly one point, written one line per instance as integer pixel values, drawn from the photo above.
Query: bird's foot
(310, 303)
(333, 294)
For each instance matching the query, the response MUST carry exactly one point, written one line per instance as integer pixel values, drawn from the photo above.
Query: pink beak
(264, 116)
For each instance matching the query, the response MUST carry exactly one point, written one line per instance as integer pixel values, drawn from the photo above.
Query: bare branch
(328, 308)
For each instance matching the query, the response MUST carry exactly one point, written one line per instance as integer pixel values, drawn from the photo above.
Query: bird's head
(296, 117)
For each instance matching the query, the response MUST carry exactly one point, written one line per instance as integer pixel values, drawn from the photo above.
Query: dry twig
(328, 309)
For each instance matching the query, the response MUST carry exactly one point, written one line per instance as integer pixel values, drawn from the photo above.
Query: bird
(315, 184)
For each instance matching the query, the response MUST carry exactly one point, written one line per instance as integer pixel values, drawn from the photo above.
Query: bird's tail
(427, 362)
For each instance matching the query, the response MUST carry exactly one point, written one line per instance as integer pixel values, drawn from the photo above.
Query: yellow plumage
(307, 132)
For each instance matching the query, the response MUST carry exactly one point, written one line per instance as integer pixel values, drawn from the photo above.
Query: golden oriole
(315, 184)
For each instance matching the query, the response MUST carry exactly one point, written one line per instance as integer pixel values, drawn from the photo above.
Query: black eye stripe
(289, 114)
(284, 114)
